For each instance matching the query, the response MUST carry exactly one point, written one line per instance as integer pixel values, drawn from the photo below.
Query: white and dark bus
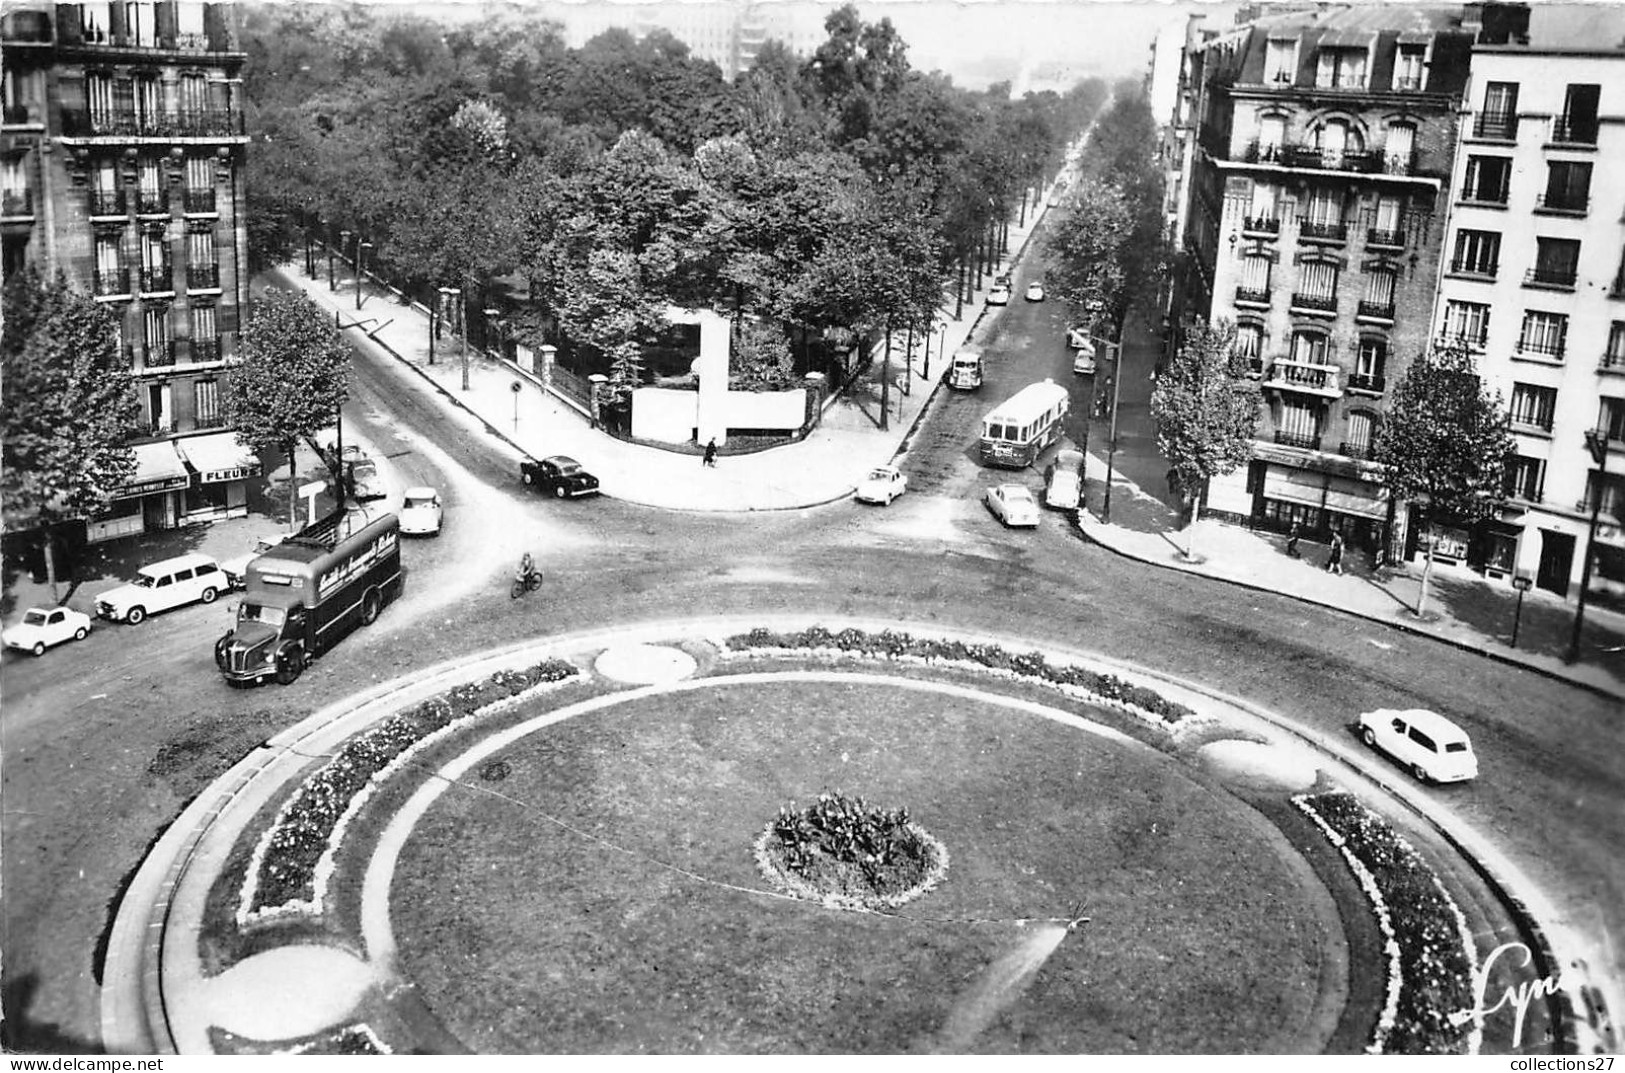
(1019, 429)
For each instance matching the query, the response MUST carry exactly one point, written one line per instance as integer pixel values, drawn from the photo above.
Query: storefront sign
(146, 488)
(236, 473)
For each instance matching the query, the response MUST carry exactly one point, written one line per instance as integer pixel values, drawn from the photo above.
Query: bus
(1019, 429)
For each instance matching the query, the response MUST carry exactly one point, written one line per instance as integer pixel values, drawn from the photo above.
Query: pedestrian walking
(710, 458)
(1292, 541)
(1334, 562)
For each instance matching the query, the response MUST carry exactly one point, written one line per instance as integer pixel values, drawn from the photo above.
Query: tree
(291, 379)
(1206, 410)
(1086, 254)
(68, 409)
(1445, 446)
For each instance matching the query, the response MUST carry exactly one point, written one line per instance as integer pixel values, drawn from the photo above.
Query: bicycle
(528, 578)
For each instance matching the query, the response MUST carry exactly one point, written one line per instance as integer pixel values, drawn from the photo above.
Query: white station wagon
(184, 579)
(1426, 742)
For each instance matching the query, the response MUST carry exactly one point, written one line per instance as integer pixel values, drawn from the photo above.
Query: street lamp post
(455, 294)
(344, 240)
(1111, 444)
(1597, 444)
(361, 249)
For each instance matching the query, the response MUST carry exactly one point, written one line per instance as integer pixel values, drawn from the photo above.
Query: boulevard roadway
(107, 739)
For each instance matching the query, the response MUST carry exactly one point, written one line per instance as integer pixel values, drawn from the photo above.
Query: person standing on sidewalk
(1334, 562)
(1292, 540)
(710, 458)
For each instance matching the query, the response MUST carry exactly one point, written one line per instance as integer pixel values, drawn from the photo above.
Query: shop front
(219, 471)
(149, 500)
(1320, 504)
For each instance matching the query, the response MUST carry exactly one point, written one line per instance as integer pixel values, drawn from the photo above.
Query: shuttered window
(1317, 279)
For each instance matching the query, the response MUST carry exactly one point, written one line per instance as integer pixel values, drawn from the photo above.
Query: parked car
(884, 484)
(1429, 744)
(999, 295)
(1080, 338)
(365, 481)
(43, 627)
(1063, 480)
(1013, 505)
(420, 512)
(1035, 291)
(559, 474)
(184, 579)
(236, 568)
(1083, 361)
(1057, 196)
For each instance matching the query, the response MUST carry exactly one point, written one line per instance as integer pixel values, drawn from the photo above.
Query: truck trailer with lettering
(306, 594)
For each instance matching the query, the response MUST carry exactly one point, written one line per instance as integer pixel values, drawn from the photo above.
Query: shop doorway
(1556, 561)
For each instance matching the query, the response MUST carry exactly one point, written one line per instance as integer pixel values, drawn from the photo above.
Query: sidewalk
(511, 403)
(1463, 609)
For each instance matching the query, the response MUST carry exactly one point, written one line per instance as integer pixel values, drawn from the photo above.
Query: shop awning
(219, 457)
(1324, 490)
(157, 469)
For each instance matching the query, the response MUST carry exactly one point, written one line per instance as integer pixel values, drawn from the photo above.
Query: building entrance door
(1556, 561)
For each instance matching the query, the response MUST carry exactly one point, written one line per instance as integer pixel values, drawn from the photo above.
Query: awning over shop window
(157, 469)
(1324, 490)
(219, 457)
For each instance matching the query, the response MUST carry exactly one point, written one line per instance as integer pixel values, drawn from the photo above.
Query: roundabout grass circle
(606, 899)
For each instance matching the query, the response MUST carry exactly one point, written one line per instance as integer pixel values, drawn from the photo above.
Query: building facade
(1533, 282)
(1324, 140)
(122, 154)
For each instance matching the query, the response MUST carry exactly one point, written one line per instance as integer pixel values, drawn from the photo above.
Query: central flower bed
(845, 854)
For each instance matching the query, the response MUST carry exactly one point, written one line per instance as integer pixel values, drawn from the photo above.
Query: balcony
(1383, 311)
(1562, 205)
(1561, 279)
(199, 201)
(210, 421)
(1297, 439)
(205, 350)
(1363, 451)
(1567, 130)
(1612, 363)
(1448, 340)
(1249, 296)
(1260, 226)
(1496, 126)
(161, 427)
(1407, 83)
(1476, 267)
(107, 203)
(202, 123)
(1391, 239)
(1369, 383)
(152, 202)
(17, 203)
(1322, 304)
(1319, 231)
(1527, 494)
(202, 277)
(159, 280)
(1482, 196)
(24, 115)
(1303, 377)
(114, 282)
(1550, 352)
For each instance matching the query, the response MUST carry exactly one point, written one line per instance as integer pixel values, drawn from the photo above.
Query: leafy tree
(1087, 252)
(1445, 446)
(291, 379)
(759, 358)
(1206, 411)
(68, 409)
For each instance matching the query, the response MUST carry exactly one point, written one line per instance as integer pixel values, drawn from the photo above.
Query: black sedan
(559, 474)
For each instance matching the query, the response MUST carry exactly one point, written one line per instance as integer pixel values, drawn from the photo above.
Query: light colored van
(184, 579)
(965, 373)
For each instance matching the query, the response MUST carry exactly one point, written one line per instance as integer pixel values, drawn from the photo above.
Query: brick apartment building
(121, 159)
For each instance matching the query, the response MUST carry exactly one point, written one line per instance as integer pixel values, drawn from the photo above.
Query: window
(96, 21)
(200, 246)
(1249, 344)
(1271, 136)
(1532, 406)
(154, 254)
(1262, 209)
(1578, 123)
(194, 94)
(1466, 323)
(206, 397)
(1488, 178)
(1378, 299)
(1612, 491)
(1309, 348)
(1300, 422)
(146, 102)
(1335, 140)
(203, 323)
(189, 22)
(1477, 252)
(1317, 285)
(99, 99)
(1341, 68)
(1614, 356)
(1255, 278)
(1408, 67)
(1499, 118)
(1525, 478)
(1543, 333)
(1325, 208)
(1398, 146)
(140, 24)
(111, 277)
(155, 332)
(151, 187)
(199, 173)
(1611, 419)
(1371, 358)
(1557, 261)
(1361, 435)
(1280, 62)
(1568, 186)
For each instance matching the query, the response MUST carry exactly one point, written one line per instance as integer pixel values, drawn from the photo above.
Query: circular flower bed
(847, 855)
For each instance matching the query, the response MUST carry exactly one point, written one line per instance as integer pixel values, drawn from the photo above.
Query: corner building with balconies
(1534, 284)
(122, 154)
(1324, 143)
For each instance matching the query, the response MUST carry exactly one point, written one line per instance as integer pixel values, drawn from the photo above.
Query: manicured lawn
(523, 936)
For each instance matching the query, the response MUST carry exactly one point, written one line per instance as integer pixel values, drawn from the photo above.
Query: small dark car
(559, 474)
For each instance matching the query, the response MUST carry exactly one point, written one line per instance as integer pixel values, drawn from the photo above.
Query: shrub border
(384, 748)
(1385, 863)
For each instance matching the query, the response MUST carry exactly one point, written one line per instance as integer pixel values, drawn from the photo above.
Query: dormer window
(1408, 74)
(1281, 63)
(1341, 68)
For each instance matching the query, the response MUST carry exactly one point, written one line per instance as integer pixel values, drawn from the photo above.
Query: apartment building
(1324, 143)
(1534, 283)
(121, 155)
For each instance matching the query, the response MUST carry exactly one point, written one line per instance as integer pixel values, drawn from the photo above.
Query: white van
(184, 579)
(965, 372)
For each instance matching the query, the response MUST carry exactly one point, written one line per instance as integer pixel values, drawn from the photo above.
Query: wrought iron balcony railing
(1375, 310)
(202, 277)
(1380, 236)
(199, 123)
(199, 200)
(1325, 303)
(1363, 451)
(17, 203)
(1571, 131)
(157, 280)
(1371, 382)
(1297, 439)
(1611, 362)
(1551, 277)
(1253, 296)
(116, 281)
(1501, 126)
(1474, 266)
(205, 350)
(107, 203)
(152, 202)
(1318, 229)
(1261, 225)
(1562, 203)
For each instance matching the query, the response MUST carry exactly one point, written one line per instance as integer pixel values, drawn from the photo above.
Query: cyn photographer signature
(1518, 998)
